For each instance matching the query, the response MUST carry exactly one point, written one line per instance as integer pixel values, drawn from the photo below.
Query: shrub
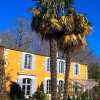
(16, 92)
(39, 94)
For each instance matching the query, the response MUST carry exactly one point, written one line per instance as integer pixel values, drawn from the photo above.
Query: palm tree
(46, 22)
(76, 28)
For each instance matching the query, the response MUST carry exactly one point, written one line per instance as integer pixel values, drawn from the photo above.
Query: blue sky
(10, 10)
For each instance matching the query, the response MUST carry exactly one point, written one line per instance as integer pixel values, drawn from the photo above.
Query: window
(48, 86)
(76, 69)
(61, 66)
(76, 87)
(47, 64)
(61, 85)
(26, 86)
(28, 61)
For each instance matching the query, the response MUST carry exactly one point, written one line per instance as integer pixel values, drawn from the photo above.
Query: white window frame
(32, 61)
(33, 85)
(25, 85)
(45, 85)
(47, 64)
(74, 69)
(63, 83)
(78, 83)
(59, 66)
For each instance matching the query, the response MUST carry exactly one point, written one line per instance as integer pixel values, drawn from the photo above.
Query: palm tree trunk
(68, 61)
(53, 68)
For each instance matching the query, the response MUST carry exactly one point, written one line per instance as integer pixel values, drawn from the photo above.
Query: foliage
(39, 94)
(84, 96)
(53, 19)
(94, 71)
(15, 92)
(46, 18)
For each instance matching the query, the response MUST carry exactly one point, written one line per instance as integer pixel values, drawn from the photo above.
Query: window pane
(23, 89)
(48, 64)
(29, 81)
(76, 69)
(28, 87)
(61, 85)
(48, 87)
(24, 80)
(28, 61)
(28, 92)
(62, 67)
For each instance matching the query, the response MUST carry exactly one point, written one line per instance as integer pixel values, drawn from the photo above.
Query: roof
(61, 55)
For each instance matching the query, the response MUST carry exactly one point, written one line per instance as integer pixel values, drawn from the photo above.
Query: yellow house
(30, 69)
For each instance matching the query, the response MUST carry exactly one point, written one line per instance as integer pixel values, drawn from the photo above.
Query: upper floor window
(76, 69)
(28, 61)
(61, 66)
(47, 64)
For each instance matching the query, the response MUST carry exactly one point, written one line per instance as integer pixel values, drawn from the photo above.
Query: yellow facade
(13, 68)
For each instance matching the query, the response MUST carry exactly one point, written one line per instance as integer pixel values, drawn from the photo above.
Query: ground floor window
(76, 87)
(48, 86)
(26, 86)
(61, 86)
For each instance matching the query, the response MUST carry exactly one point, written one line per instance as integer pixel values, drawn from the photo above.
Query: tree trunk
(53, 68)
(68, 61)
(2, 75)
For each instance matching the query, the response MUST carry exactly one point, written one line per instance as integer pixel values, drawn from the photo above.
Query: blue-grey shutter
(33, 89)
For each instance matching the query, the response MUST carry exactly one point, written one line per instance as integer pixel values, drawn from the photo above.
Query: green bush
(16, 92)
(39, 94)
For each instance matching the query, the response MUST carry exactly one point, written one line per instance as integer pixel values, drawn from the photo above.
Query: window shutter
(33, 61)
(45, 86)
(20, 82)
(73, 68)
(22, 60)
(46, 64)
(58, 65)
(64, 66)
(78, 68)
(33, 89)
